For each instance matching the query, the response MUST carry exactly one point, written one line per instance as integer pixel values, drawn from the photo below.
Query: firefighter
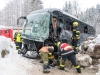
(75, 36)
(66, 51)
(45, 53)
(15, 38)
(19, 41)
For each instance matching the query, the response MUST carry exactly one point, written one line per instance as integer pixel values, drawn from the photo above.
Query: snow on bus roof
(55, 9)
(51, 10)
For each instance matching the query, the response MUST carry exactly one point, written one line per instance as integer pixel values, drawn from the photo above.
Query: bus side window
(68, 25)
(60, 25)
(85, 29)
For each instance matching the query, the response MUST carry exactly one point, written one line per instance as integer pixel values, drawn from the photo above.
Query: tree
(68, 7)
(92, 17)
(17, 8)
(76, 8)
(72, 8)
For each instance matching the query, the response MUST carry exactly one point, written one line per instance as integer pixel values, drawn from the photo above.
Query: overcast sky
(60, 3)
(2, 4)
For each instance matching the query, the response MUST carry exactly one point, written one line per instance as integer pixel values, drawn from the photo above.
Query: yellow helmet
(52, 47)
(75, 24)
(54, 19)
(58, 43)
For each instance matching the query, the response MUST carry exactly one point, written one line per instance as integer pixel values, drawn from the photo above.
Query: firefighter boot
(78, 70)
(61, 68)
(62, 64)
(76, 52)
(45, 70)
(41, 61)
(19, 51)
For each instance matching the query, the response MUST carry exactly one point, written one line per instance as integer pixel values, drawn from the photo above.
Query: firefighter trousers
(72, 58)
(75, 44)
(18, 45)
(44, 57)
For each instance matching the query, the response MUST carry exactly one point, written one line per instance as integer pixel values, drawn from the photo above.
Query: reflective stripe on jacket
(66, 46)
(66, 49)
(76, 34)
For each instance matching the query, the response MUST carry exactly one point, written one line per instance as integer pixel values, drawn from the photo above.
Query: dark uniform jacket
(64, 49)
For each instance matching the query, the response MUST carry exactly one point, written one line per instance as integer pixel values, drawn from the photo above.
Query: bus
(47, 26)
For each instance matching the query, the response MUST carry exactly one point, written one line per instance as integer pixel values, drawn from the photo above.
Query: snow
(85, 60)
(97, 39)
(94, 42)
(5, 62)
(15, 64)
(91, 46)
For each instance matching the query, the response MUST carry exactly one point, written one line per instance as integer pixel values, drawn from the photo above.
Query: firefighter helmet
(75, 24)
(52, 47)
(54, 19)
(58, 43)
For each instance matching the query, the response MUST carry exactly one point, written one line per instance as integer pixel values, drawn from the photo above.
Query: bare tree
(72, 8)
(76, 8)
(68, 7)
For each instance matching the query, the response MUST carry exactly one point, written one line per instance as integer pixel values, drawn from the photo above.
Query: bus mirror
(22, 17)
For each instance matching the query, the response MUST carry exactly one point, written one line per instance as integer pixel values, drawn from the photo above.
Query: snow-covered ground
(15, 64)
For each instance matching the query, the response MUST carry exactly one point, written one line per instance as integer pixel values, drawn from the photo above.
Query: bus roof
(52, 10)
(55, 9)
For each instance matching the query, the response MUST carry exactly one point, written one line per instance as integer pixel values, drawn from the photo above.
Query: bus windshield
(36, 26)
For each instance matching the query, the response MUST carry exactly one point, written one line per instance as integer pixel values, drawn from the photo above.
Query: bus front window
(37, 26)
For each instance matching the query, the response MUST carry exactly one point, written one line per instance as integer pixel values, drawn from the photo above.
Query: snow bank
(6, 50)
(92, 48)
(97, 39)
(13, 63)
(6, 44)
(84, 60)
